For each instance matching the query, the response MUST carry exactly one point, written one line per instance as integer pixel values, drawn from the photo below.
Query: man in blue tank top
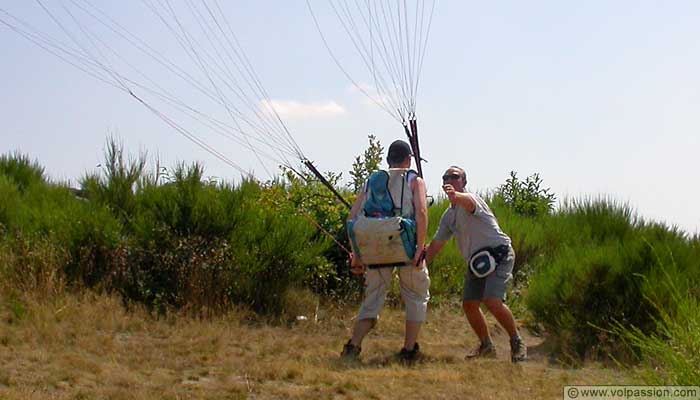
(413, 276)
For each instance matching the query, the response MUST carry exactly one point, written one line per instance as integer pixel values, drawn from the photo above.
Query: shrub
(526, 197)
(669, 354)
(47, 218)
(22, 171)
(278, 251)
(366, 163)
(581, 291)
(115, 188)
(202, 246)
(190, 273)
(305, 197)
(87, 231)
(188, 205)
(606, 270)
(177, 254)
(11, 198)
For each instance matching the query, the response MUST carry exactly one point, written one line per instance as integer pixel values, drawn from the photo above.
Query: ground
(89, 347)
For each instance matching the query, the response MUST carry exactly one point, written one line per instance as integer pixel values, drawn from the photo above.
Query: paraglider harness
(381, 235)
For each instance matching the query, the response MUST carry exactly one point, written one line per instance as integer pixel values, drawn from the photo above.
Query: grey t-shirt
(474, 231)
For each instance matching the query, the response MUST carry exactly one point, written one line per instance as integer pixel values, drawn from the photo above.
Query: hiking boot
(518, 350)
(410, 356)
(350, 351)
(485, 350)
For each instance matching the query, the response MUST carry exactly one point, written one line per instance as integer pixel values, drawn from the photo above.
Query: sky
(600, 98)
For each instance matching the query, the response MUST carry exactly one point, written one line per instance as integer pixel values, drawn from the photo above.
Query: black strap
(391, 265)
(499, 252)
(404, 177)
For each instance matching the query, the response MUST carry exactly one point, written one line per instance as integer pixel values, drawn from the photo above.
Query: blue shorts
(492, 286)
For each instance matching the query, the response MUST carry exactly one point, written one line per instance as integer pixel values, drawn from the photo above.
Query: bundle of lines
(234, 103)
(218, 89)
(390, 38)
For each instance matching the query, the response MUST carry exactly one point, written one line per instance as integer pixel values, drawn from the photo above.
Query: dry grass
(90, 348)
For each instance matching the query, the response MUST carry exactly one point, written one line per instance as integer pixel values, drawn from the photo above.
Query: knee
(493, 304)
(369, 323)
(471, 306)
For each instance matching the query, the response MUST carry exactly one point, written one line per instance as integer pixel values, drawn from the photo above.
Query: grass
(88, 346)
(671, 356)
(670, 353)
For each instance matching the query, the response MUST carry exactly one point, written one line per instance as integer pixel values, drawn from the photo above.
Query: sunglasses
(448, 177)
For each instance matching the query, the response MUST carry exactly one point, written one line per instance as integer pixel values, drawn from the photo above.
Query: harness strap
(404, 178)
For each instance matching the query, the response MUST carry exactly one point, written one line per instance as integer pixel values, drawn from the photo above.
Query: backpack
(384, 234)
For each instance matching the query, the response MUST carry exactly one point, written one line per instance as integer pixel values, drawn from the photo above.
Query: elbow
(422, 214)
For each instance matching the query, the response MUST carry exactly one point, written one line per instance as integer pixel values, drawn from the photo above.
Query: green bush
(21, 170)
(116, 186)
(306, 197)
(86, 230)
(11, 198)
(186, 204)
(366, 163)
(583, 290)
(174, 238)
(526, 197)
(277, 252)
(196, 244)
(39, 214)
(605, 270)
(173, 272)
(599, 219)
(669, 354)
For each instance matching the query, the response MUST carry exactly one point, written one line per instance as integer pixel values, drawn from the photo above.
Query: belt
(499, 252)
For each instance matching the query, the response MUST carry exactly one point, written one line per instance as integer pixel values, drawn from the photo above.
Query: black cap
(398, 151)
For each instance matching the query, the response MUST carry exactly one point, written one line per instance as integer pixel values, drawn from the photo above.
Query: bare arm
(460, 199)
(420, 207)
(433, 250)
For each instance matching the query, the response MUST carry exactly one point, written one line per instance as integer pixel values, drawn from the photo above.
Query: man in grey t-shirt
(470, 220)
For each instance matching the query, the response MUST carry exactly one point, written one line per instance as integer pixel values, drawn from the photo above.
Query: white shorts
(414, 284)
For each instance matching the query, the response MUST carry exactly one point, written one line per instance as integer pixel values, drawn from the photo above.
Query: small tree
(526, 197)
(118, 181)
(366, 163)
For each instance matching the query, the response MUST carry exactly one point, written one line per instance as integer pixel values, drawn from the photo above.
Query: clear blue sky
(599, 97)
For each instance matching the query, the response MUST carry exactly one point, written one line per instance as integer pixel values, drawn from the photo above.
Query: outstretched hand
(450, 192)
(459, 198)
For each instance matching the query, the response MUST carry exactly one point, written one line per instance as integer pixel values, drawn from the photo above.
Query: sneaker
(518, 350)
(410, 355)
(485, 350)
(350, 351)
